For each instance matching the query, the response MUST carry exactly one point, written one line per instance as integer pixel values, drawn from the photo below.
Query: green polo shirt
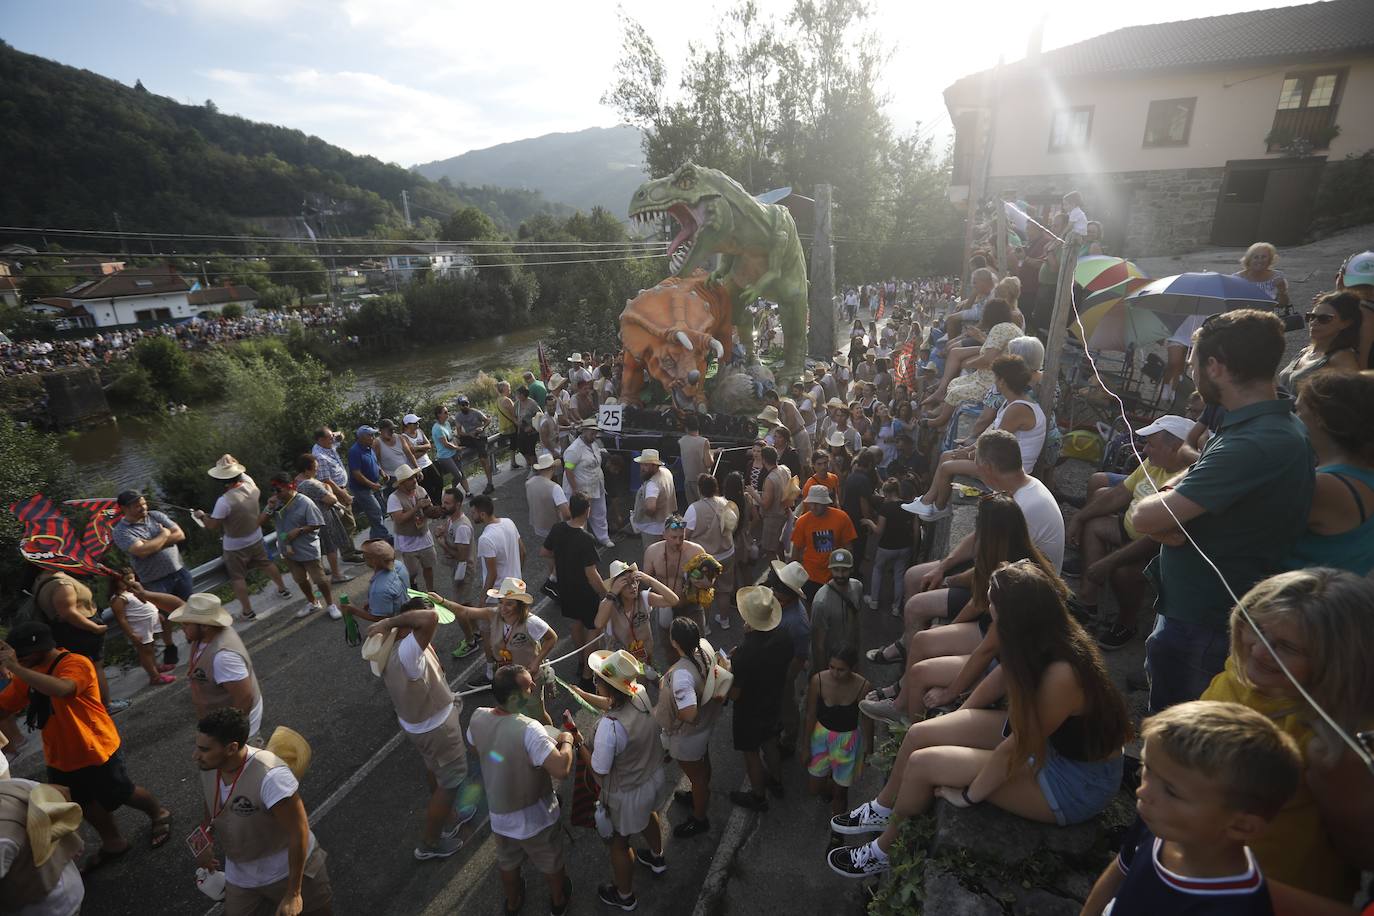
(1254, 480)
(538, 393)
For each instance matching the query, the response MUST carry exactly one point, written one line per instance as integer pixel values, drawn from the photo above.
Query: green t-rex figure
(760, 252)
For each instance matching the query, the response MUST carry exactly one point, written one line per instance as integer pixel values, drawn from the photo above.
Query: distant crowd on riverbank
(28, 357)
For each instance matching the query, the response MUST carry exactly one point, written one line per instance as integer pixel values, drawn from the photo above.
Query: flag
(545, 370)
(904, 365)
(882, 307)
(49, 539)
(100, 529)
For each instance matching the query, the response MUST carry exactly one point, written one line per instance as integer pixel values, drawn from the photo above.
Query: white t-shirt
(221, 512)
(1078, 221)
(611, 738)
(412, 660)
(684, 689)
(458, 532)
(525, 823)
(407, 542)
(65, 897)
(230, 667)
(277, 785)
(1044, 520)
(500, 540)
(535, 625)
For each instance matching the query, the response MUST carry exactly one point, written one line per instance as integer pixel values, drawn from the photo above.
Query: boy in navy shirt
(1213, 775)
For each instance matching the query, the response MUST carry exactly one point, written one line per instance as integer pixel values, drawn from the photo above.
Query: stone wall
(74, 397)
(1152, 213)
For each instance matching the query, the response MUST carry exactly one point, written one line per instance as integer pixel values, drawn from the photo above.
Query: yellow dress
(1295, 850)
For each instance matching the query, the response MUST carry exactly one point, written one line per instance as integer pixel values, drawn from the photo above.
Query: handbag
(550, 588)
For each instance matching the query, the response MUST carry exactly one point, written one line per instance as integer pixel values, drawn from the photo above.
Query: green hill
(78, 147)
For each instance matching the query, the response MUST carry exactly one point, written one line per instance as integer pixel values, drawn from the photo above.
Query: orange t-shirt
(816, 536)
(79, 733)
(830, 480)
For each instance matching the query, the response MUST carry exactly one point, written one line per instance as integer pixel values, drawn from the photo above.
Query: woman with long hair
(1334, 328)
(1318, 624)
(944, 661)
(747, 502)
(625, 614)
(687, 716)
(1054, 756)
(1338, 410)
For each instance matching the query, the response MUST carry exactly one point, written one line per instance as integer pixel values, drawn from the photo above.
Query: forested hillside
(78, 147)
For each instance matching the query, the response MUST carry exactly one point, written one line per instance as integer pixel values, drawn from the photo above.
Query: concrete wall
(74, 397)
(1234, 111)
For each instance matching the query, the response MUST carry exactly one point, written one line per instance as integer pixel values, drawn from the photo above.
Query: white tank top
(422, 459)
(1031, 440)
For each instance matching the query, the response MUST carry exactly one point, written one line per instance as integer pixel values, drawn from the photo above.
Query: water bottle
(351, 635)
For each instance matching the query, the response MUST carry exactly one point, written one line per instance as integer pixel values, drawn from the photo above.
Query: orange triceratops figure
(669, 331)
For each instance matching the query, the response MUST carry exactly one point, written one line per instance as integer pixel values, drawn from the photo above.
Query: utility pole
(1001, 238)
(405, 205)
(123, 242)
(821, 338)
(1063, 303)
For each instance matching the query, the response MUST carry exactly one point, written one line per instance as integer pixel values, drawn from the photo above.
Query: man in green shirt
(1244, 503)
(538, 393)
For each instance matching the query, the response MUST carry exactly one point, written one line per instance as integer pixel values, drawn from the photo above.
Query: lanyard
(195, 656)
(217, 806)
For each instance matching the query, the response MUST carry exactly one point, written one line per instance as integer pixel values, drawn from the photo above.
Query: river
(120, 453)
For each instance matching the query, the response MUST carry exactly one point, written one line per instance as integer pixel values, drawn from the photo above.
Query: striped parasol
(1099, 272)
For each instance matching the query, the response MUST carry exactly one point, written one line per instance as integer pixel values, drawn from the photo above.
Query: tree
(30, 462)
(305, 273)
(382, 315)
(470, 224)
(40, 286)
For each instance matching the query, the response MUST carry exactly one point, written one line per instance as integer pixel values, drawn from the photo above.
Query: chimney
(1036, 38)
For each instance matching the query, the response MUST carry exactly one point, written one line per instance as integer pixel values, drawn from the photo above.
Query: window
(1305, 116)
(1071, 128)
(1169, 122)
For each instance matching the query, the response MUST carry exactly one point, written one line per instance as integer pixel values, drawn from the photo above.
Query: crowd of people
(1249, 798)
(25, 357)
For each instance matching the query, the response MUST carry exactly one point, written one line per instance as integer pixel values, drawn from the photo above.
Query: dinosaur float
(669, 330)
(760, 257)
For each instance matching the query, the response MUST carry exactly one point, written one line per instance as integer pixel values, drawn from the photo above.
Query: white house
(1178, 134)
(440, 260)
(138, 294)
(215, 298)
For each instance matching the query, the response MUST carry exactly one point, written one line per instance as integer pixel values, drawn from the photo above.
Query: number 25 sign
(609, 417)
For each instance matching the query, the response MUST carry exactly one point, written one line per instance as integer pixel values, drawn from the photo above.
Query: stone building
(1178, 134)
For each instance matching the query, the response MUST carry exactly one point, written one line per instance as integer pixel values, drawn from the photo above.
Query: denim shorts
(1077, 791)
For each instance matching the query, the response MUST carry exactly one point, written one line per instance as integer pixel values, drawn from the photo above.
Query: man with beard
(149, 539)
(1244, 503)
(665, 560)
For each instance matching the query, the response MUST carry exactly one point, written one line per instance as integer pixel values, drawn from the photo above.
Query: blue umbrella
(1200, 293)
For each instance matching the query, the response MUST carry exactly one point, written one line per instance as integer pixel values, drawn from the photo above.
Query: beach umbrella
(1099, 272)
(1113, 325)
(1189, 295)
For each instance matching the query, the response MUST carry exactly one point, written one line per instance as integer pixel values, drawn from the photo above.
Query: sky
(411, 81)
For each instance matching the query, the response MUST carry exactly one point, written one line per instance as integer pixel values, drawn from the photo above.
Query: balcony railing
(1315, 127)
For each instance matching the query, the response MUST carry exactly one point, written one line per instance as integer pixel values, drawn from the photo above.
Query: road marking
(718, 874)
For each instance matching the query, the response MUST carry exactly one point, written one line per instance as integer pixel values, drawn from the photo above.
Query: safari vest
(665, 505)
(514, 646)
(25, 883)
(419, 700)
(633, 632)
(511, 781)
(643, 752)
(416, 527)
(709, 531)
(245, 829)
(205, 690)
(665, 711)
(780, 477)
(244, 510)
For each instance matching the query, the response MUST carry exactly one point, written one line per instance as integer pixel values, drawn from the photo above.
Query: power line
(234, 256)
(301, 240)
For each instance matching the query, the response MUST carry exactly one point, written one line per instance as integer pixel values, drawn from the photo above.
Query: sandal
(883, 693)
(102, 858)
(161, 679)
(248, 615)
(162, 830)
(879, 656)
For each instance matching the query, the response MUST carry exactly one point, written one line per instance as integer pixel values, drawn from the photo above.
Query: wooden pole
(821, 337)
(1001, 238)
(1063, 299)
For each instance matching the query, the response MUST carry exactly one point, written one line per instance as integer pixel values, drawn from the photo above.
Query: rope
(548, 661)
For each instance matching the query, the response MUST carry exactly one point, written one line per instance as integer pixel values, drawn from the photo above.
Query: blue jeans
(368, 502)
(889, 563)
(1181, 659)
(178, 583)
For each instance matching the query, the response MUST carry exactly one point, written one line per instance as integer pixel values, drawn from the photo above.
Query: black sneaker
(857, 861)
(751, 800)
(656, 864)
(170, 655)
(611, 897)
(691, 827)
(479, 680)
(1116, 638)
(557, 910)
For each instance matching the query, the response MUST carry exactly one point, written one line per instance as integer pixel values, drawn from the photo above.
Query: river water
(120, 453)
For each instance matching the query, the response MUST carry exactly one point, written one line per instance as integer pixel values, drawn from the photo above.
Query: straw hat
(202, 608)
(618, 569)
(818, 494)
(836, 404)
(575, 359)
(556, 381)
(544, 462)
(618, 668)
(793, 575)
(404, 473)
(226, 468)
(648, 456)
(379, 548)
(759, 607)
(835, 440)
(589, 423)
(50, 819)
(292, 748)
(512, 588)
(377, 650)
(770, 416)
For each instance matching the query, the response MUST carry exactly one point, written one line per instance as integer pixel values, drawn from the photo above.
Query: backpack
(729, 519)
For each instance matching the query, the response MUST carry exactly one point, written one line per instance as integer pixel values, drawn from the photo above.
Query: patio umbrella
(1193, 295)
(1099, 272)
(1113, 325)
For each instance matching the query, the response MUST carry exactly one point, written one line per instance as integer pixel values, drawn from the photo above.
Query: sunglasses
(1318, 318)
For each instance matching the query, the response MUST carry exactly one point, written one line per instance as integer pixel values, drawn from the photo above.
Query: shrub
(167, 364)
(383, 316)
(133, 388)
(232, 310)
(30, 462)
(389, 402)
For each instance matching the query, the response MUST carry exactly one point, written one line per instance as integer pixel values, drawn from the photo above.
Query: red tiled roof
(134, 281)
(1311, 31)
(215, 295)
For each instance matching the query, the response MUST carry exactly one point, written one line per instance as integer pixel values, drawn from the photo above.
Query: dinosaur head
(698, 199)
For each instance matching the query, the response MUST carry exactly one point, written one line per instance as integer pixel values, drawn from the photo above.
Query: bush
(1346, 195)
(383, 316)
(167, 364)
(391, 402)
(30, 462)
(232, 310)
(133, 389)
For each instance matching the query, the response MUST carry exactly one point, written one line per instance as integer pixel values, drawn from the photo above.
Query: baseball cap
(30, 637)
(365, 430)
(1176, 426)
(841, 557)
(409, 419)
(128, 497)
(463, 401)
(1359, 269)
